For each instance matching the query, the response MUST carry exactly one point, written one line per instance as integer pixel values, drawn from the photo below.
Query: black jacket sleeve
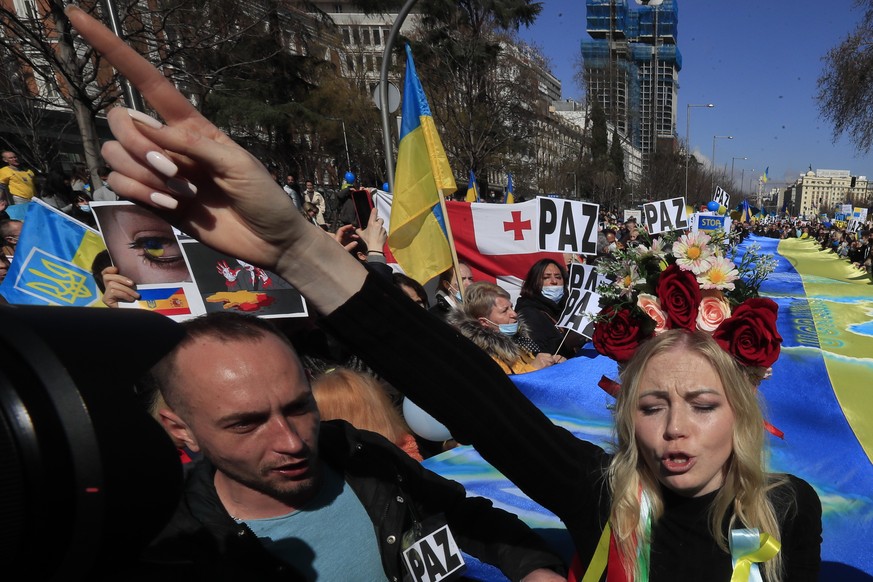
(463, 388)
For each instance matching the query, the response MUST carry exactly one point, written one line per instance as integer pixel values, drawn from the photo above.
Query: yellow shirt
(19, 182)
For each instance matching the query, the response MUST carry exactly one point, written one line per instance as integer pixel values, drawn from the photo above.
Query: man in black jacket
(281, 495)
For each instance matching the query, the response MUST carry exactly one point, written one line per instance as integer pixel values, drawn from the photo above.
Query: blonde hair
(480, 297)
(361, 400)
(743, 495)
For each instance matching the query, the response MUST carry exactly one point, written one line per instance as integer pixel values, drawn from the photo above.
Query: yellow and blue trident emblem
(52, 262)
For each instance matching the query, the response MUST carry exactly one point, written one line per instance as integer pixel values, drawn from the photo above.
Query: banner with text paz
(665, 215)
(583, 301)
(721, 196)
(567, 226)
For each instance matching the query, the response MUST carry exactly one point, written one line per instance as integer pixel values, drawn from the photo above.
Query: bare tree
(845, 87)
(58, 69)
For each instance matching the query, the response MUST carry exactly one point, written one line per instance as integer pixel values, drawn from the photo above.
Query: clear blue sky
(758, 61)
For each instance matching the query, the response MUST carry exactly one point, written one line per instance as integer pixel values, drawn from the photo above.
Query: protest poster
(665, 215)
(583, 301)
(180, 277)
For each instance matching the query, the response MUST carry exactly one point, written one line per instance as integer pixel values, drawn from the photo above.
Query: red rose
(750, 334)
(680, 297)
(617, 334)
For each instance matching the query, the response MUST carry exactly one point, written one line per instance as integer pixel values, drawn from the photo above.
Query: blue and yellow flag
(472, 189)
(418, 236)
(746, 211)
(509, 195)
(766, 177)
(52, 263)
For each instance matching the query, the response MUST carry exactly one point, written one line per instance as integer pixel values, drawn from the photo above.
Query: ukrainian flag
(766, 177)
(472, 189)
(52, 263)
(746, 212)
(418, 237)
(509, 196)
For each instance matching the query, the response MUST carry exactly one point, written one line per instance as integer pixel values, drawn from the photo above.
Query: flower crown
(692, 282)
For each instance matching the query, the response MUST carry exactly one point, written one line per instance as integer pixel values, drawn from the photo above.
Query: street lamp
(732, 169)
(688, 142)
(715, 137)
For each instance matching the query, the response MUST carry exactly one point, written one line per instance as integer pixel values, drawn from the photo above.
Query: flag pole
(561, 345)
(383, 88)
(451, 239)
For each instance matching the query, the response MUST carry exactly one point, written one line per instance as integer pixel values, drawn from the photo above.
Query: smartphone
(363, 202)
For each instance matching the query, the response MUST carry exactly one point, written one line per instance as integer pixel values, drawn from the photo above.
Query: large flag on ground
(52, 263)
(819, 395)
(509, 195)
(417, 238)
(472, 189)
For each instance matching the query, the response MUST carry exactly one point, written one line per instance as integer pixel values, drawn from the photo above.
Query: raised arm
(196, 177)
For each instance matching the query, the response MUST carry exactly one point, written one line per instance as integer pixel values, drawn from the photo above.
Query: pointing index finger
(155, 88)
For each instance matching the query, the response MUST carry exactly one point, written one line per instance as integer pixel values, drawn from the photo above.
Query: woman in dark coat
(542, 299)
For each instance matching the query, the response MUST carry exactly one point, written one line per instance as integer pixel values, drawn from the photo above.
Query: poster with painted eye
(145, 249)
(141, 244)
(226, 283)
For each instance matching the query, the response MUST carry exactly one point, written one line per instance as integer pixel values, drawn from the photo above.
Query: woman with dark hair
(543, 297)
(80, 178)
(81, 209)
(411, 288)
(56, 190)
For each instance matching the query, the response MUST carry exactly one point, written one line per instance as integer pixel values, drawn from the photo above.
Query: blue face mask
(553, 292)
(85, 208)
(458, 297)
(509, 329)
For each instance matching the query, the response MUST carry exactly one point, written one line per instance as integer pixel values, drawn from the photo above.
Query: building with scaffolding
(626, 47)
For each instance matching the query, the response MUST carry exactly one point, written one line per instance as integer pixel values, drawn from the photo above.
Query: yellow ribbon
(599, 559)
(769, 547)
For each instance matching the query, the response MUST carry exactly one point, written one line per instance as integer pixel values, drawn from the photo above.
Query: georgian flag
(498, 241)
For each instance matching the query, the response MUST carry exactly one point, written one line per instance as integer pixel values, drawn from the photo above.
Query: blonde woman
(360, 399)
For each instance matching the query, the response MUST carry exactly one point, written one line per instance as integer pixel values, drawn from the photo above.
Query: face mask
(509, 329)
(85, 208)
(553, 292)
(457, 293)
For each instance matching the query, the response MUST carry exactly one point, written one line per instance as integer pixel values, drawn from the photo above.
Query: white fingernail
(164, 201)
(144, 119)
(162, 164)
(182, 187)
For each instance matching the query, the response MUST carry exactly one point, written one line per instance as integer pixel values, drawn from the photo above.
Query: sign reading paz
(721, 196)
(665, 215)
(434, 557)
(583, 301)
(567, 226)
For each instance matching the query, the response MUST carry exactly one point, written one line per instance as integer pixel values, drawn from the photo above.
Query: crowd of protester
(852, 245)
